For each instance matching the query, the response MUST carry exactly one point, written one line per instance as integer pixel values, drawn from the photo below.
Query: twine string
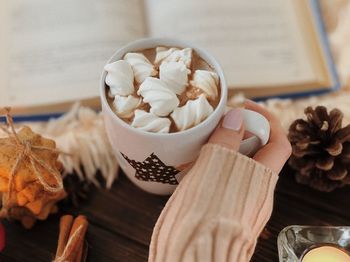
(13, 172)
(34, 160)
(11, 125)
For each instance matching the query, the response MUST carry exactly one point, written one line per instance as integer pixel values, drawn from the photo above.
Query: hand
(230, 133)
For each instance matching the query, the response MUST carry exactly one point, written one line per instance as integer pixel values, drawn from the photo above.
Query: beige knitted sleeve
(217, 212)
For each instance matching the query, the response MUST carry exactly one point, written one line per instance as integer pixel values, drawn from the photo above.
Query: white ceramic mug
(153, 161)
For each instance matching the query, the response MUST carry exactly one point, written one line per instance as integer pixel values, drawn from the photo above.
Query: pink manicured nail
(233, 120)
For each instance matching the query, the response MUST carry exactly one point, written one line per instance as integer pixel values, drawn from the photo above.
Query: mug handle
(259, 126)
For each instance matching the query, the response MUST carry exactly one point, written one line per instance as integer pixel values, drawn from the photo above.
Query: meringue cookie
(207, 81)
(120, 78)
(174, 75)
(192, 113)
(141, 66)
(125, 105)
(164, 54)
(150, 122)
(161, 99)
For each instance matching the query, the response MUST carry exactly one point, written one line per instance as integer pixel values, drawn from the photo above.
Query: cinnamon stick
(76, 238)
(66, 223)
(79, 255)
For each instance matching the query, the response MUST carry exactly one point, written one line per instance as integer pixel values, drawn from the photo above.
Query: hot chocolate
(176, 91)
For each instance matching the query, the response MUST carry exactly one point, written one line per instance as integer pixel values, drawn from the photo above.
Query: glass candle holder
(295, 241)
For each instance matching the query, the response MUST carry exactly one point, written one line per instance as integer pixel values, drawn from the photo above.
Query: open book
(53, 52)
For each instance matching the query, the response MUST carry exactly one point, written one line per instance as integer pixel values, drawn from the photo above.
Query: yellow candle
(326, 254)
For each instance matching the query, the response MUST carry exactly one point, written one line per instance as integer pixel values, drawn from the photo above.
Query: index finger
(278, 149)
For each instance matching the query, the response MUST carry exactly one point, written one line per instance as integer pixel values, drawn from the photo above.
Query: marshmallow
(174, 75)
(164, 54)
(161, 99)
(120, 78)
(141, 66)
(207, 81)
(192, 113)
(125, 105)
(150, 122)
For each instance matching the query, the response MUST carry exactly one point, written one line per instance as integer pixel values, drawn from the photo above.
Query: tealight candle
(326, 254)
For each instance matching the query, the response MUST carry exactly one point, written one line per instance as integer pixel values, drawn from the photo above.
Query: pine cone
(77, 189)
(321, 149)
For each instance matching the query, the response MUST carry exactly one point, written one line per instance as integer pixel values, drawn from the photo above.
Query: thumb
(230, 131)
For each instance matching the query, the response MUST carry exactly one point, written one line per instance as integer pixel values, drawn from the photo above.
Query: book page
(256, 42)
(54, 51)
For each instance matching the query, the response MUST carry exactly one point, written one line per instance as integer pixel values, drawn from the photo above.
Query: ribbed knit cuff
(217, 211)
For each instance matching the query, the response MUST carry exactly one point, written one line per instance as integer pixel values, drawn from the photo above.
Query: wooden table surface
(121, 222)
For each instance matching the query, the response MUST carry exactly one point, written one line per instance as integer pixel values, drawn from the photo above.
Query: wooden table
(121, 222)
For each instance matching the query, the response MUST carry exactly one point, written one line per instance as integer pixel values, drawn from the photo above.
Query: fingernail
(233, 120)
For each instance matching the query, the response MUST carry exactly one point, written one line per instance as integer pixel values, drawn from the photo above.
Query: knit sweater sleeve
(217, 212)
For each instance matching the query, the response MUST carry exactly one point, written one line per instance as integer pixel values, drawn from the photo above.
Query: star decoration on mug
(153, 169)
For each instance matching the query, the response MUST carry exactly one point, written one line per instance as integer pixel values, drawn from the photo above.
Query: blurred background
(53, 52)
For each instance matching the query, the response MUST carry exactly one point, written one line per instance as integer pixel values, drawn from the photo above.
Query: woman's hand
(230, 133)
